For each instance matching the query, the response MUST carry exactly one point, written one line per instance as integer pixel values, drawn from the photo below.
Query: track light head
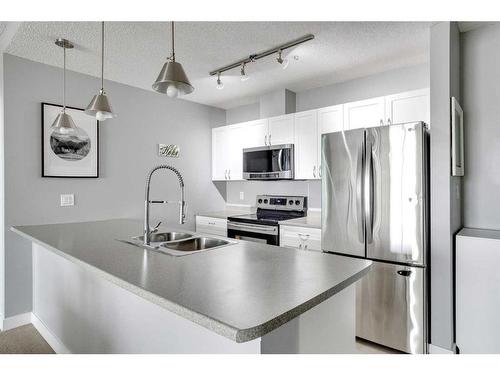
(220, 84)
(244, 75)
(281, 60)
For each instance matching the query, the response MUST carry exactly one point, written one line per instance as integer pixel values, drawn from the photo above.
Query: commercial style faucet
(182, 204)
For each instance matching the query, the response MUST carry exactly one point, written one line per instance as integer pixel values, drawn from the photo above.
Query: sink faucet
(182, 204)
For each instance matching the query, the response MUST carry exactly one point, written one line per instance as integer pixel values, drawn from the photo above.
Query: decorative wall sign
(457, 138)
(171, 151)
(74, 154)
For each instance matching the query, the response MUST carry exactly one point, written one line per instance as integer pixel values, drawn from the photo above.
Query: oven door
(267, 234)
(268, 162)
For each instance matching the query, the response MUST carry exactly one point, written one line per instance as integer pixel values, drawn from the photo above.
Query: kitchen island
(95, 294)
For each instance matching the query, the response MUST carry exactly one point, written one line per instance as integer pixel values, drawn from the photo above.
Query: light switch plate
(67, 200)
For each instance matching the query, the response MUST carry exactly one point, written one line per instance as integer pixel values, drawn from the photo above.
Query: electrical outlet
(67, 200)
(242, 195)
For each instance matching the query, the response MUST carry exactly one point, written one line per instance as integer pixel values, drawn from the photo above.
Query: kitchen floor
(23, 340)
(27, 340)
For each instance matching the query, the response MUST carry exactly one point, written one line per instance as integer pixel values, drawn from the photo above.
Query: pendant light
(99, 106)
(63, 122)
(172, 79)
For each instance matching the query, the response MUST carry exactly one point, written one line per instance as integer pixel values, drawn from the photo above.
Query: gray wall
(480, 102)
(127, 152)
(243, 113)
(391, 82)
(446, 216)
(386, 83)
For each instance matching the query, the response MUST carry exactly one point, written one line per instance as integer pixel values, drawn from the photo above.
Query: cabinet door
(281, 129)
(364, 113)
(235, 158)
(255, 133)
(408, 107)
(330, 119)
(306, 145)
(211, 225)
(300, 238)
(220, 152)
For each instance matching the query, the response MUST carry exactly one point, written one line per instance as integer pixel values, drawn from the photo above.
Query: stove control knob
(290, 202)
(265, 201)
(297, 202)
(260, 201)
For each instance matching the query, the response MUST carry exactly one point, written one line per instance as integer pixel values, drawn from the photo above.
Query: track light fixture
(244, 75)
(280, 60)
(257, 56)
(220, 84)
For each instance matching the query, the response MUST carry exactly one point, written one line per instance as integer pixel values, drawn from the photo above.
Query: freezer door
(342, 199)
(390, 307)
(395, 193)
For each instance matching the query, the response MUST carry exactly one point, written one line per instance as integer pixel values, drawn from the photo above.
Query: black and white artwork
(73, 154)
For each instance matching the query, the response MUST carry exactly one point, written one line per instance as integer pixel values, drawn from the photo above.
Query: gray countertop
(312, 220)
(241, 291)
(224, 214)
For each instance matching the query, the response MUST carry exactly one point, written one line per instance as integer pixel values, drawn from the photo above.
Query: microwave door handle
(359, 193)
(280, 157)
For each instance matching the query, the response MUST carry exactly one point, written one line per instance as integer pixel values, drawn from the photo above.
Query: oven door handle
(252, 228)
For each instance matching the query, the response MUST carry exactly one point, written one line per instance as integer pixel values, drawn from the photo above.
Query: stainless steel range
(263, 226)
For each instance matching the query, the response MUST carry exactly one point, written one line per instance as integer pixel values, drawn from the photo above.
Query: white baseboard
(434, 349)
(16, 321)
(51, 339)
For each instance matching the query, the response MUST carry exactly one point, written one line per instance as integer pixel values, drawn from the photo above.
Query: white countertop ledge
(241, 291)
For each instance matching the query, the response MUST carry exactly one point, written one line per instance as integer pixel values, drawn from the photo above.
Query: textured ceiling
(135, 52)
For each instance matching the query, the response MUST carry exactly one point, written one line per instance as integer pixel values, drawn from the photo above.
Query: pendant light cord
(64, 79)
(102, 56)
(173, 42)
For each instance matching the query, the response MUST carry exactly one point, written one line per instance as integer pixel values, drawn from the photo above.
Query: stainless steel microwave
(268, 162)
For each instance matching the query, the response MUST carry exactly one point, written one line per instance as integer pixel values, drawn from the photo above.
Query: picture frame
(69, 156)
(457, 139)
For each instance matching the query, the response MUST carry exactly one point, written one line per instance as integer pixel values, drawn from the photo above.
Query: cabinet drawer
(211, 225)
(300, 237)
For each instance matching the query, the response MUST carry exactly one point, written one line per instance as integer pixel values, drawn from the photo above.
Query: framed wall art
(457, 138)
(70, 155)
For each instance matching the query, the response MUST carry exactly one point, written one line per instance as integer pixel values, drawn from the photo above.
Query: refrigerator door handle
(369, 192)
(360, 193)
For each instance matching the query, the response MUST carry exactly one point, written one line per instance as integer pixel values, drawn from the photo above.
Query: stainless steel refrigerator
(374, 206)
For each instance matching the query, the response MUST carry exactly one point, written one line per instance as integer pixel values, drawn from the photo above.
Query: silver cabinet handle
(319, 171)
(381, 122)
(389, 121)
(265, 139)
(269, 139)
(314, 171)
(229, 174)
(225, 174)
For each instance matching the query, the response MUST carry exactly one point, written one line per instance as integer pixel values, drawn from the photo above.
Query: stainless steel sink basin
(195, 244)
(165, 237)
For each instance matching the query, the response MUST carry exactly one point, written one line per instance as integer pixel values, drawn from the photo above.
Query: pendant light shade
(63, 122)
(99, 106)
(172, 79)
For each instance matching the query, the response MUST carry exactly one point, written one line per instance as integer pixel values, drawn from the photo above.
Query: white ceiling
(135, 52)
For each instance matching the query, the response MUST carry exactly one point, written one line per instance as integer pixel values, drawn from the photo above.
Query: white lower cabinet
(303, 238)
(211, 225)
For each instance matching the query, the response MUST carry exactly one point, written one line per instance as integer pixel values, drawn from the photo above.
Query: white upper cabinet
(304, 130)
(220, 152)
(281, 130)
(255, 133)
(364, 113)
(408, 106)
(306, 145)
(330, 119)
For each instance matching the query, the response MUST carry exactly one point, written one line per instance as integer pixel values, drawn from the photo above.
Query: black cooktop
(267, 217)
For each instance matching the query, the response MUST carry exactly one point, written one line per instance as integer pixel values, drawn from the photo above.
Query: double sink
(179, 243)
